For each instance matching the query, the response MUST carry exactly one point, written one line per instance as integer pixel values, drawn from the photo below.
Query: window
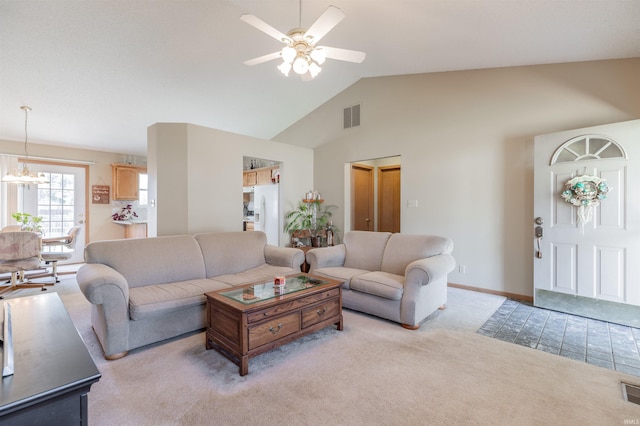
(588, 148)
(56, 203)
(143, 189)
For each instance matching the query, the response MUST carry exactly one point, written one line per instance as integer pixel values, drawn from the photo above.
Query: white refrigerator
(266, 210)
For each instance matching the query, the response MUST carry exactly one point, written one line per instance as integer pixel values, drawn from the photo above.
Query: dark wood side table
(53, 371)
(305, 266)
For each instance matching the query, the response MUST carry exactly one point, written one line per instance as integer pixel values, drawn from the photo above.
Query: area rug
(373, 372)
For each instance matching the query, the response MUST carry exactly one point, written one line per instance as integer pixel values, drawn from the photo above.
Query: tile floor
(597, 342)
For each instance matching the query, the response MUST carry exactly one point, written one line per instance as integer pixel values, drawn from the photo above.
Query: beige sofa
(150, 289)
(399, 277)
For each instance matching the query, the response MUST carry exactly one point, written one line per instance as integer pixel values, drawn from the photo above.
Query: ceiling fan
(301, 52)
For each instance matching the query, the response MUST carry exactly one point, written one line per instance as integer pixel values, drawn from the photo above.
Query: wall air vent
(351, 117)
(631, 393)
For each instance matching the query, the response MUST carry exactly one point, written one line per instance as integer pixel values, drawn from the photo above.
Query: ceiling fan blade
(259, 24)
(329, 19)
(261, 59)
(343, 54)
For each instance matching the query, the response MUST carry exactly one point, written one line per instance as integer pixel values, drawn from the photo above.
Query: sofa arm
(423, 271)
(284, 256)
(102, 285)
(108, 291)
(325, 257)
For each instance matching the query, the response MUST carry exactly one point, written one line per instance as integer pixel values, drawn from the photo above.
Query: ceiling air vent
(351, 117)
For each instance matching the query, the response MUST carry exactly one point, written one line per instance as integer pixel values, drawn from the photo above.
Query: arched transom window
(593, 147)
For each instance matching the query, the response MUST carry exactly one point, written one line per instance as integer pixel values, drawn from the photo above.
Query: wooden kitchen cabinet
(125, 181)
(264, 176)
(135, 230)
(249, 178)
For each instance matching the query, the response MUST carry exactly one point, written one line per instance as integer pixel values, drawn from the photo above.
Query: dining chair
(59, 244)
(19, 252)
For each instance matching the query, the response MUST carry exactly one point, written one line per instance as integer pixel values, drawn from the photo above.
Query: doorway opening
(261, 197)
(373, 195)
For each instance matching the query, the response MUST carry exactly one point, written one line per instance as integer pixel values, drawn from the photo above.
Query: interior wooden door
(362, 197)
(389, 199)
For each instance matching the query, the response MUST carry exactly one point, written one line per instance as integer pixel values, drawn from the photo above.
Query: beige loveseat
(399, 277)
(150, 289)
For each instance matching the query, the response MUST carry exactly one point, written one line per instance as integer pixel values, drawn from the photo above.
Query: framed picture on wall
(100, 194)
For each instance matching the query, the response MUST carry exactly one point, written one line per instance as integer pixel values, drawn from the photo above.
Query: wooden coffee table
(245, 321)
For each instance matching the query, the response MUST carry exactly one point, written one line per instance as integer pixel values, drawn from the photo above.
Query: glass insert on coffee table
(268, 290)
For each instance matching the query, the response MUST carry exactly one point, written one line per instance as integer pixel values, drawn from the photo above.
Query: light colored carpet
(372, 373)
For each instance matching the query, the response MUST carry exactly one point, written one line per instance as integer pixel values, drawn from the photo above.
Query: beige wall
(195, 177)
(100, 224)
(466, 141)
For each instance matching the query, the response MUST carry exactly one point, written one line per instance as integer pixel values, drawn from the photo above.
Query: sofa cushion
(155, 300)
(230, 252)
(262, 273)
(402, 249)
(150, 261)
(364, 249)
(340, 273)
(382, 284)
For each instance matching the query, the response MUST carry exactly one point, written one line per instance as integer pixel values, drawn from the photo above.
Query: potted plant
(29, 222)
(125, 213)
(309, 221)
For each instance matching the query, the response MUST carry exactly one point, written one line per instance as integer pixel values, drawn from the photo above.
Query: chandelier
(25, 176)
(300, 54)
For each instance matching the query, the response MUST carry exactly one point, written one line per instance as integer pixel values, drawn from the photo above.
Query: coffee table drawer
(320, 313)
(290, 306)
(273, 330)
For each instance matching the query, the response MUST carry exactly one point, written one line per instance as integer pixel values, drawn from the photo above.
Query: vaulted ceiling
(98, 73)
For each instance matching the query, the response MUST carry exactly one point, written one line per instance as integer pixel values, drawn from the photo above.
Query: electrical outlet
(462, 269)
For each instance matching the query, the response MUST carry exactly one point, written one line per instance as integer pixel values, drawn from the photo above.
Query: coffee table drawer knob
(275, 330)
(321, 312)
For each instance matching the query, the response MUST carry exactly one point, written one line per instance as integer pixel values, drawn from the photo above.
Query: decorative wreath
(585, 192)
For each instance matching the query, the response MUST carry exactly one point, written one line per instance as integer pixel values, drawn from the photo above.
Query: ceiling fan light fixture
(284, 68)
(318, 55)
(314, 69)
(300, 65)
(300, 52)
(288, 54)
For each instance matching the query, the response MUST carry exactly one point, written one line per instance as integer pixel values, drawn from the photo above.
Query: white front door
(61, 203)
(600, 260)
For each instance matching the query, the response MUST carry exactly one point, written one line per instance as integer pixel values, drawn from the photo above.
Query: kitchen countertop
(129, 222)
